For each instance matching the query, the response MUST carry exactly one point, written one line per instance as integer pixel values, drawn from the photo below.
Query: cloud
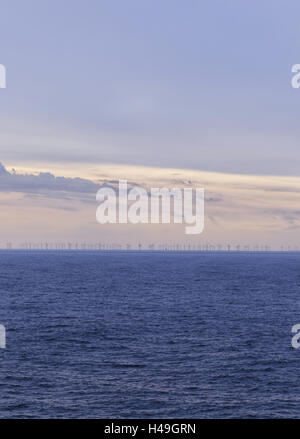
(47, 184)
(44, 183)
(3, 171)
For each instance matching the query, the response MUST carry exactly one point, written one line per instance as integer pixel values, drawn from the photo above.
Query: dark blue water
(92, 335)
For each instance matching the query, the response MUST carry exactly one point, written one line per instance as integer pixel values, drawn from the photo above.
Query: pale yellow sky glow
(239, 209)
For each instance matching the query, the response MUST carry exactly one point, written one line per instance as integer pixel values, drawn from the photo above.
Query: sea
(136, 334)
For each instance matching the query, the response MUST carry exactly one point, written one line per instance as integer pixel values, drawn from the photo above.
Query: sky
(121, 87)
